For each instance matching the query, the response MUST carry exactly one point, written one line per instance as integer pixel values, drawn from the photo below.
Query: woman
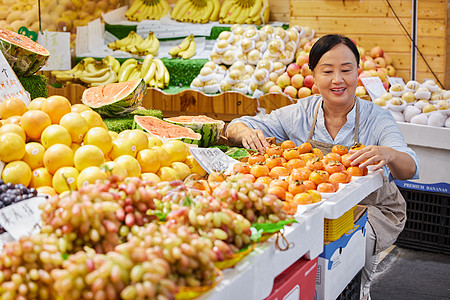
(338, 117)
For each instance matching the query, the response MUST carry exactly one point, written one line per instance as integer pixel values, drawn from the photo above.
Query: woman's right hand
(239, 133)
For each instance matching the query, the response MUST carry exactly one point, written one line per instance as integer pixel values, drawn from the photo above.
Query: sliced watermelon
(25, 56)
(209, 128)
(115, 99)
(166, 131)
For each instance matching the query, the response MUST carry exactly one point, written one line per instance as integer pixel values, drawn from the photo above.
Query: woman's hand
(250, 138)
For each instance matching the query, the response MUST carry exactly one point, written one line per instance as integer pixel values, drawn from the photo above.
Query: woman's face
(336, 75)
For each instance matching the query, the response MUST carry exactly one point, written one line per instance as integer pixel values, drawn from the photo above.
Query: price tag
(58, 44)
(81, 42)
(213, 159)
(23, 218)
(395, 80)
(96, 29)
(116, 16)
(10, 85)
(373, 86)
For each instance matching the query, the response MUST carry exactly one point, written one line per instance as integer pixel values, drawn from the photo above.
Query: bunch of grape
(131, 271)
(11, 193)
(83, 218)
(250, 199)
(190, 256)
(25, 267)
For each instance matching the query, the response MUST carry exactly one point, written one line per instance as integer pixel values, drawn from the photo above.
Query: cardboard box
(342, 259)
(296, 282)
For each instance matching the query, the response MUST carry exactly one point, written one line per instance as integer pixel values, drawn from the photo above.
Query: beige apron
(386, 206)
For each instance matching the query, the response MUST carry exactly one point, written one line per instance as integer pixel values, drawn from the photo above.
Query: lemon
(113, 134)
(113, 168)
(17, 172)
(138, 138)
(149, 160)
(93, 119)
(34, 122)
(36, 103)
(130, 164)
(87, 156)
(13, 128)
(40, 177)
(34, 155)
(194, 166)
(56, 107)
(46, 190)
(122, 146)
(79, 108)
(76, 125)
(55, 134)
(154, 141)
(163, 155)
(150, 177)
(167, 174)
(90, 175)
(12, 107)
(65, 179)
(12, 147)
(57, 156)
(177, 150)
(181, 169)
(100, 137)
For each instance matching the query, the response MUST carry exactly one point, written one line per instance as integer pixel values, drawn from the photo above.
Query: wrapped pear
(396, 104)
(421, 119)
(410, 111)
(396, 90)
(436, 119)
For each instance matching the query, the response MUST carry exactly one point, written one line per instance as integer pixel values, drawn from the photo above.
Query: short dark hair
(325, 44)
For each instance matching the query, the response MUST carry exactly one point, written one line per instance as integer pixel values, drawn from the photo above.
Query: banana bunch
(133, 43)
(152, 70)
(244, 12)
(196, 11)
(147, 10)
(90, 72)
(186, 49)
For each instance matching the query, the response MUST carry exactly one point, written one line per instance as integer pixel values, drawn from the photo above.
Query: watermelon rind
(210, 130)
(25, 56)
(112, 106)
(194, 139)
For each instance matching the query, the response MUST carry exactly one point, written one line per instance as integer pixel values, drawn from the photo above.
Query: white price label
(96, 30)
(81, 42)
(22, 218)
(10, 85)
(213, 159)
(58, 44)
(395, 80)
(374, 86)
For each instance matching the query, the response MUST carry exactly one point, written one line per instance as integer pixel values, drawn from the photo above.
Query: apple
(382, 73)
(303, 42)
(372, 72)
(380, 61)
(302, 59)
(297, 81)
(387, 58)
(307, 47)
(273, 76)
(369, 65)
(361, 51)
(367, 57)
(266, 86)
(293, 69)
(275, 89)
(363, 75)
(315, 89)
(303, 92)
(284, 80)
(376, 52)
(309, 81)
(386, 85)
(360, 91)
(390, 70)
(290, 91)
(305, 70)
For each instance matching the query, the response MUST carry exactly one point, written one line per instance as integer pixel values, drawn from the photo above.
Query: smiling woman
(338, 117)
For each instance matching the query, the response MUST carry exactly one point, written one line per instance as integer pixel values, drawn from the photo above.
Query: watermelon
(166, 131)
(25, 56)
(115, 99)
(209, 128)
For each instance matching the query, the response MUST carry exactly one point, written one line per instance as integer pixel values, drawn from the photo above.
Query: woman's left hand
(378, 156)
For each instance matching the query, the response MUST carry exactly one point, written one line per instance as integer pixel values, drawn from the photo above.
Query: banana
(135, 74)
(266, 12)
(243, 15)
(179, 9)
(224, 9)
(255, 9)
(190, 51)
(102, 78)
(112, 77)
(147, 43)
(137, 4)
(206, 12)
(234, 11)
(166, 6)
(126, 63)
(157, 11)
(215, 13)
(155, 46)
(131, 47)
(166, 76)
(150, 73)
(190, 8)
(125, 74)
(121, 42)
(64, 77)
(145, 11)
(181, 47)
(159, 69)
(146, 64)
(112, 62)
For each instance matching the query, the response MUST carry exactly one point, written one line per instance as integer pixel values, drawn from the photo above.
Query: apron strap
(356, 137)
(316, 112)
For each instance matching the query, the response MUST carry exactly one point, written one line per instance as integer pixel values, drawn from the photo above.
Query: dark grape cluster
(12, 193)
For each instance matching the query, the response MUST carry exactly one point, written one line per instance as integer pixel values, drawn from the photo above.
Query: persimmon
(217, 177)
(278, 172)
(319, 176)
(296, 187)
(300, 174)
(242, 168)
(289, 196)
(355, 171)
(277, 191)
(296, 163)
(302, 199)
(310, 186)
(316, 196)
(306, 156)
(340, 177)
(280, 182)
(264, 179)
(274, 149)
(291, 153)
(345, 160)
(288, 144)
(305, 148)
(256, 158)
(326, 187)
(315, 164)
(331, 157)
(274, 161)
(339, 149)
(317, 152)
(289, 207)
(357, 146)
(259, 170)
(334, 167)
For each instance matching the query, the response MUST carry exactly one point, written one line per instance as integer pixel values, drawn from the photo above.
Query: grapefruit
(113, 168)
(55, 134)
(90, 175)
(138, 138)
(77, 108)
(87, 156)
(100, 137)
(12, 147)
(124, 133)
(46, 190)
(163, 155)
(65, 179)
(177, 150)
(122, 146)
(57, 156)
(181, 169)
(113, 134)
(149, 160)
(150, 177)
(13, 120)
(40, 177)
(167, 174)
(36, 103)
(130, 164)
(194, 166)
(76, 125)
(12, 107)
(56, 107)
(34, 155)
(34, 122)
(93, 119)
(17, 172)
(153, 141)
(14, 128)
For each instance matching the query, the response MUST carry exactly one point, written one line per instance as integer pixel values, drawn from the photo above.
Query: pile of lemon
(54, 146)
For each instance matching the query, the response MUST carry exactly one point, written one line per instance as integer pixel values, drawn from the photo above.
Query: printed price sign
(58, 44)
(373, 86)
(10, 85)
(22, 218)
(396, 80)
(213, 159)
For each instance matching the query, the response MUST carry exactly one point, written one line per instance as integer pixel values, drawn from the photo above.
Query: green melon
(115, 99)
(166, 131)
(25, 56)
(209, 128)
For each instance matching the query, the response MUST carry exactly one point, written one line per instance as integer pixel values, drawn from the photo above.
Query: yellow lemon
(177, 150)
(12, 147)
(65, 179)
(40, 177)
(93, 119)
(138, 138)
(163, 155)
(17, 172)
(181, 169)
(149, 160)
(57, 156)
(12, 107)
(36, 103)
(55, 134)
(113, 168)
(90, 175)
(76, 125)
(34, 155)
(100, 137)
(113, 134)
(87, 156)
(34, 122)
(154, 141)
(167, 174)
(46, 190)
(13, 128)
(122, 146)
(56, 107)
(194, 166)
(78, 107)
(150, 177)
(130, 164)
